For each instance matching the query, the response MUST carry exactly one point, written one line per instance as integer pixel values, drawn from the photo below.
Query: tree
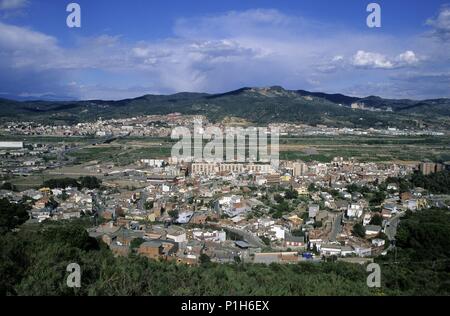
(278, 198)
(90, 183)
(359, 230)
(352, 188)
(204, 259)
(312, 188)
(376, 220)
(148, 205)
(265, 240)
(298, 233)
(291, 194)
(318, 224)
(12, 215)
(377, 198)
(136, 243)
(8, 186)
(174, 214)
(61, 183)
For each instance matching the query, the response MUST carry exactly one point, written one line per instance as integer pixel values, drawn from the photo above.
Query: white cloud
(13, 4)
(408, 57)
(371, 60)
(206, 54)
(22, 47)
(379, 61)
(441, 23)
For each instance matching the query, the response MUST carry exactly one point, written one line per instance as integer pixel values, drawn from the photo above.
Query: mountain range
(254, 105)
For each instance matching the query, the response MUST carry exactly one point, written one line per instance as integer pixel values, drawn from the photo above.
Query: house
(322, 216)
(199, 218)
(330, 250)
(341, 205)
(41, 203)
(209, 235)
(406, 196)
(176, 234)
(386, 214)
(411, 204)
(354, 210)
(372, 230)
(184, 217)
(347, 251)
(367, 218)
(151, 249)
(294, 221)
(278, 232)
(392, 187)
(313, 209)
(294, 241)
(363, 251)
(390, 207)
(65, 214)
(276, 257)
(377, 242)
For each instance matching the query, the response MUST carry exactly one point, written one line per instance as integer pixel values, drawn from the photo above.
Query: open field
(365, 148)
(126, 152)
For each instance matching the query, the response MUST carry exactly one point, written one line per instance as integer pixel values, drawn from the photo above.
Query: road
(65, 159)
(391, 226)
(337, 227)
(253, 240)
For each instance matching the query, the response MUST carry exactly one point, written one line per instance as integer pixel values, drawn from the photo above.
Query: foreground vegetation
(34, 260)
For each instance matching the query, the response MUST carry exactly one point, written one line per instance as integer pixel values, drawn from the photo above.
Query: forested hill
(256, 105)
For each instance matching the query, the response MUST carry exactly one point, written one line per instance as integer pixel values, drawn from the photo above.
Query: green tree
(278, 198)
(291, 194)
(376, 220)
(136, 243)
(12, 215)
(8, 186)
(359, 230)
(204, 259)
(148, 205)
(174, 214)
(90, 182)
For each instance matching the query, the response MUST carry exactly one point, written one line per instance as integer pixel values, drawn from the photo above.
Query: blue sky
(134, 47)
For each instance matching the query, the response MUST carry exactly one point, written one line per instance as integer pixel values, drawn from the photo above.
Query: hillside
(257, 105)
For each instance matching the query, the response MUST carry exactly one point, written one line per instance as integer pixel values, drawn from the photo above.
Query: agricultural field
(128, 151)
(366, 148)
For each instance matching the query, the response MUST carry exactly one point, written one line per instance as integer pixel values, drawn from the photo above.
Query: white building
(299, 169)
(313, 210)
(213, 236)
(330, 250)
(354, 210)
(178, 236)
(11, 145)
(378, 242)
(373, 230)
(279, 231)
(367, 219)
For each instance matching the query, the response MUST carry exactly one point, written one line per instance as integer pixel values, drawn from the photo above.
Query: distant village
(162, 126)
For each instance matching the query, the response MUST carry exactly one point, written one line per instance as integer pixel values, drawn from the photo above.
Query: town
(190, 212)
